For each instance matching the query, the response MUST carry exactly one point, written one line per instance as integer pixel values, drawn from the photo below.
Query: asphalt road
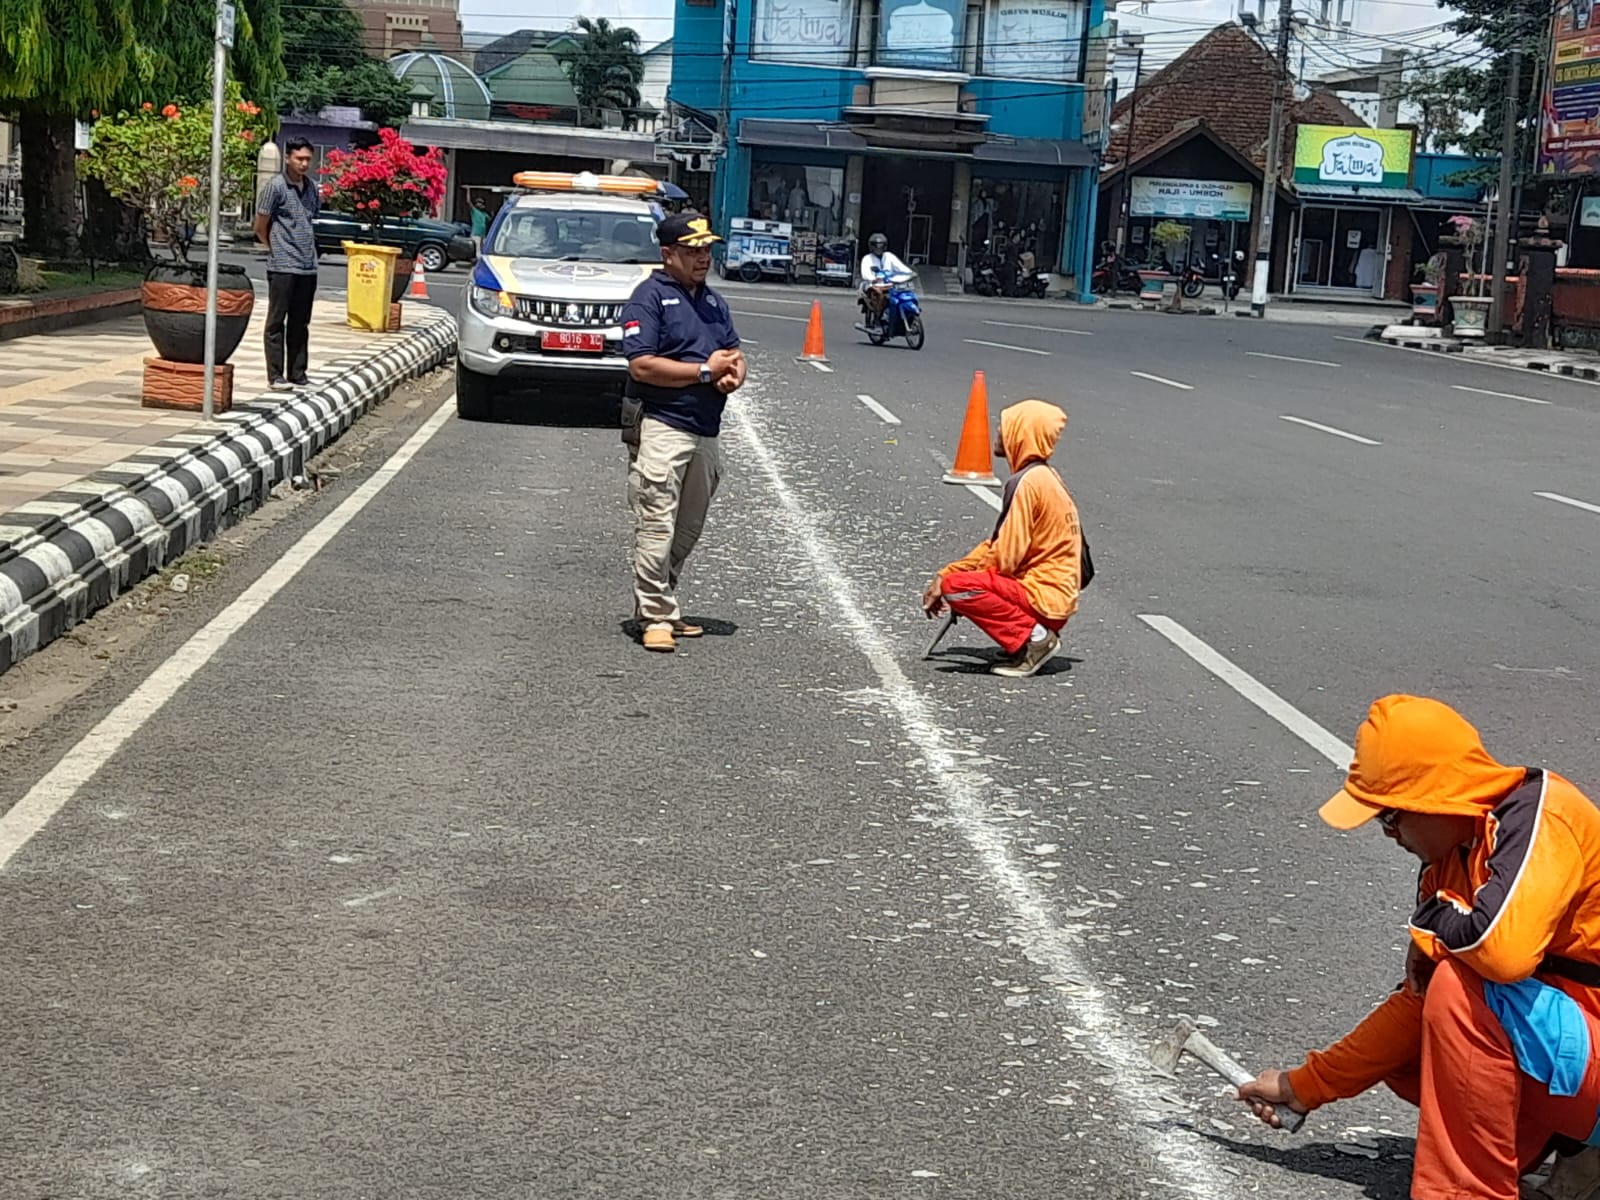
(426, 881)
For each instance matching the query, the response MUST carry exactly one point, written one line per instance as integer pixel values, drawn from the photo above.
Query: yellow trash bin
(369, 283)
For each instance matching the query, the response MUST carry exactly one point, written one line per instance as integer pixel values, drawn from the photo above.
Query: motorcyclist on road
(878, 262)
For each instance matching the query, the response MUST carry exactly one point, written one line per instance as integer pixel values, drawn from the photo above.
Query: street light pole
(1128, 154)
(219, 78)
(1502, 216)
(1269, 180)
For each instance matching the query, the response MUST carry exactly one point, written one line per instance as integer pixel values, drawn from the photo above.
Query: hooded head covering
(1419, 755)
(1029, 431)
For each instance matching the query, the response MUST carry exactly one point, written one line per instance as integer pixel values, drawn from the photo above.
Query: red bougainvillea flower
(188, 182)
(170, 111)
(247, 135)
(147, 106)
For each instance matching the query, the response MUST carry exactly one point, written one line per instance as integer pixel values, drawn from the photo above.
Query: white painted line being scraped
(1172, 383)
(1253, 690)
(1005, 346)
(1461, 387)
(81, 763)
(966, 793)
(1353, 437)
(1039, 328)
(884, 415)
(1560, 499)
(987, 494)
(1310, 362)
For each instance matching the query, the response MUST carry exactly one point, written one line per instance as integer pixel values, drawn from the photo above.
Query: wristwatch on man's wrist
(705, 372)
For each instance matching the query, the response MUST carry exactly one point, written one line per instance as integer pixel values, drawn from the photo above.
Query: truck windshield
(577, 235)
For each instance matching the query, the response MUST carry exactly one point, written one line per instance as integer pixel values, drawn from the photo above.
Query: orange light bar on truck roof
(584, 181)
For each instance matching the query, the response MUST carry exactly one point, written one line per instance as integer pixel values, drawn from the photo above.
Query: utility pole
(1269, 180)
(219, 78)
(1502, 216)
(1136, 44)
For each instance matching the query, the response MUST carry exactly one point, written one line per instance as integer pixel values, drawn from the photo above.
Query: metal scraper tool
(1186, 1039)
(945, 627)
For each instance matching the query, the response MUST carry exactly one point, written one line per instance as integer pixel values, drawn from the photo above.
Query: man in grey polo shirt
(283, 222)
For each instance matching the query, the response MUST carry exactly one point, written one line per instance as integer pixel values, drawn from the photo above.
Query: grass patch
(51, 280)
(197, 564)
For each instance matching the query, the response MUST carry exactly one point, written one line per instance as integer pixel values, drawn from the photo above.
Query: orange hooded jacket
(1040, 542)
(1524, 894)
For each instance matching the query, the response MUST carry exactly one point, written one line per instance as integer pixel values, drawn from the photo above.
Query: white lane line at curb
(739, 312)
(81, 763)
(1560, 499)
(1004, 346)
(1461, 387)
(1039, 328)
(819, 365)
(1354, 437)
(1472, 360)
(988, 495)
(965, 792)
(1310, 362)
(1171, 383)
(884, 415)
(1253, 690)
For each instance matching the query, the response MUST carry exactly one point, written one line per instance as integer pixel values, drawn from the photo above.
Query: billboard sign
(1352, 156)
(1569, 125)
(1200, 198)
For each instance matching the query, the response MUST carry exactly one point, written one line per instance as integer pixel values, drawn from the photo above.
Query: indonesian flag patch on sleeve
(630, 329)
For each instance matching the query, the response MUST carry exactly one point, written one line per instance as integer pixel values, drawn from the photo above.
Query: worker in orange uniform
(1022, 584)
(1495, 1031)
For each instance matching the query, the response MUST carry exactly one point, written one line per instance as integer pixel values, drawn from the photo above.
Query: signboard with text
(814, 32)
(1352, 156)
(1206, 199)
(1035, 39)
(1569, 128)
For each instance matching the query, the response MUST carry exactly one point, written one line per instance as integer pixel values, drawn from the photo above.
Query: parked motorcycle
(901, 317)
(836, 262)
(1114, 274)
(985, 277)
(1029, 280)
(1192, 281)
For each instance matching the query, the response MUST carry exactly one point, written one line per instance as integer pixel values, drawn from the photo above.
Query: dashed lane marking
(1461, 387)
(1310, 362)
(1253, 690)
(1004, 346)
(743, 312)
(1171, 383)
(1039, 328)
(883, 414)
(1354, 437)
(1568, 500)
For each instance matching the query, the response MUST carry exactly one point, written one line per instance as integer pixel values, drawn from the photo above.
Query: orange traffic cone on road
(419, 282)
(974, 462)
(815, 350)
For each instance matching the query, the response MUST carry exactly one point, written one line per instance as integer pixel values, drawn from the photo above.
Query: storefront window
(921, 33)
(806, 197)
(1035, 39)
(1016, 215)
(818, 33)
(1339, 248)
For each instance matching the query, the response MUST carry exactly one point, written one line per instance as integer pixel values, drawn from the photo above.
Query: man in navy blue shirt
(684, 361)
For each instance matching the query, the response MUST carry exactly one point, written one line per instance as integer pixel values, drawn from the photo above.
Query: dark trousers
(289, 300)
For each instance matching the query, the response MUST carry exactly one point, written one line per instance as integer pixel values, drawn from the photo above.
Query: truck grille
(572, 314)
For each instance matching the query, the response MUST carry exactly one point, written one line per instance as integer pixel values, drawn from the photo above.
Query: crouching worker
(1494, 1033)
(1021, 585)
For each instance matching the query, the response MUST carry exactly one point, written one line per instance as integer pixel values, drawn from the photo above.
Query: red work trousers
(996, 604)
(1483, 1123)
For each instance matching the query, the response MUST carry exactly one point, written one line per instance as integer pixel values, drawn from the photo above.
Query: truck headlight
(492, 303)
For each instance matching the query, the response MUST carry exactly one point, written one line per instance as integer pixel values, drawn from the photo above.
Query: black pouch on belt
(632, 414)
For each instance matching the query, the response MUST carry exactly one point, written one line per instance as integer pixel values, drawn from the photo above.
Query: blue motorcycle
(902, 314)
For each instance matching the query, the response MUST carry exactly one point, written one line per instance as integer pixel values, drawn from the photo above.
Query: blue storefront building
(944, 124)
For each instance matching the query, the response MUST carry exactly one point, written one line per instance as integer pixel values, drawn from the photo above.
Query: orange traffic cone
(974, 463)
(815, 350)
(419, 281)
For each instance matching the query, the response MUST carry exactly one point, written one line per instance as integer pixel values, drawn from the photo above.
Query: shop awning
(530, 139)
(822, 135)
(1366, 195)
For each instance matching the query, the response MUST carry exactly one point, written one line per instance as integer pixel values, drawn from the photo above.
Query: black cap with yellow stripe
(685, 229)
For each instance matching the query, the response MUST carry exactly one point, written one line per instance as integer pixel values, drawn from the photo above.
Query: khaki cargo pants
(670, 484)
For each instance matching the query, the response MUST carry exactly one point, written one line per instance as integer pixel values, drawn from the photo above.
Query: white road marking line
(755, 299)
(987, 494)
(1253, 690)
(1461, 387)
(884, 415)
(740, 312)
(966, 791)
(1003, 346)
(81, 763)
(1039, 328)
(1560, 499)
(1172, 383)
(1310, 362)
(1354, 437)
(821, 366)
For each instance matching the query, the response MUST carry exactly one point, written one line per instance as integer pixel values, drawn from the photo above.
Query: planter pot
(1470, 315)
(1152, 284)
(1425, 302)
(174, 296)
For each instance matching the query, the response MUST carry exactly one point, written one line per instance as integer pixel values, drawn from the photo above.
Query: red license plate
(588, 343)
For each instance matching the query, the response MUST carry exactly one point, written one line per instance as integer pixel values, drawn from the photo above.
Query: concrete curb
(72, 553)
(50, 313)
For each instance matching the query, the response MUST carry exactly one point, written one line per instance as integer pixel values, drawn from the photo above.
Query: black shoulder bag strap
(1009, 494)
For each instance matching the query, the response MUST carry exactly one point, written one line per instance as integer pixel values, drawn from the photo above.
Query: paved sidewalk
(69, 401)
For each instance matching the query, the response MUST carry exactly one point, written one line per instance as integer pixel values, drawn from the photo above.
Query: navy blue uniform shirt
(665, 319)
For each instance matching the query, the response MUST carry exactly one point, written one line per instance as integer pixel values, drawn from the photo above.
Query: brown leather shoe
(688, 629)
(1034, 656)
(659, 639)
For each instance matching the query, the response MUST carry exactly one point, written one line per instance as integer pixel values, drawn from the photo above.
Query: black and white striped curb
(71, 553)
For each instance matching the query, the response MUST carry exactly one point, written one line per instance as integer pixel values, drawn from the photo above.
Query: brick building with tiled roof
(1201, 141)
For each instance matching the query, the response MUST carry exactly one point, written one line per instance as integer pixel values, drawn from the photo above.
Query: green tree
(327, 65)
(606, 69)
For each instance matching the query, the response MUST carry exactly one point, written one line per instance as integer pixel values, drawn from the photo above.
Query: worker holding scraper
(1495, 1032)
(1021, 584)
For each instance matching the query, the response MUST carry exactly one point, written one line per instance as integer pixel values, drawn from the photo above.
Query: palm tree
(606, 69)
